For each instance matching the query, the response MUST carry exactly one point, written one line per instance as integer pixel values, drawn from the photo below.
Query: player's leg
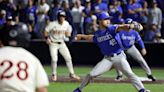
(134, 53)
(53, 52)
(122, 64)
(103, 66)
(119, 75)
(67, 56)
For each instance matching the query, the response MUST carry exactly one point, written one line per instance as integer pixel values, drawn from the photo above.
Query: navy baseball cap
(103, 16)
(128, 21)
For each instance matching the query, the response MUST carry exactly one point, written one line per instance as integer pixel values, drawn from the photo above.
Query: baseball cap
(9, 18)
(62, 13)
(87, 0)
(103, 16)
(128, 21)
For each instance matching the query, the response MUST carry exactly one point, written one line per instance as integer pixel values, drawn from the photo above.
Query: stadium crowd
(81, 14)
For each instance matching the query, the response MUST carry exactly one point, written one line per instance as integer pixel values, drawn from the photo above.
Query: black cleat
(119, 78)
(151, 77)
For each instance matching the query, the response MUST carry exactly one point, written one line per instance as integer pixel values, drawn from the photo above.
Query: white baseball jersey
(20, 71)
(57, 31)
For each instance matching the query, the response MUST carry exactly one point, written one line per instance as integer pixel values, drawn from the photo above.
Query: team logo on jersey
(104, 38)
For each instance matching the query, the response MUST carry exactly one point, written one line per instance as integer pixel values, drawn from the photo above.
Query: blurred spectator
(10, 8)
(86, 13)
(2, 17)
(9, 23)
(99, 6)
(42, 10)
(144, 18)
(31, 17)
(134, 10)
(115, 10)
(21, 3)
(77, 16)
(66, 7)
(154, 22)
(158, 39)
(55, 6)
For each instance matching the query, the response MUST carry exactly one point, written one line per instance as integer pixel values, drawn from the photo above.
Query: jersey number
(112, 42)
(21, 66)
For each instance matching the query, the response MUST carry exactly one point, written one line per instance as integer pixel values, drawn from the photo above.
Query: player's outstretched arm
(84, 37)
(136, 26)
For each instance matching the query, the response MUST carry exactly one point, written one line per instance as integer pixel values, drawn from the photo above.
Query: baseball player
(20, 70)
(55, 33)
(128, 40)
(107, 41)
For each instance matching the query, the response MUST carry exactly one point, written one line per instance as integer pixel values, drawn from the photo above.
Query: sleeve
(49, 27)
(69, 28)
(139, 40)
(41, 76)
(112, 29)
(94, 39)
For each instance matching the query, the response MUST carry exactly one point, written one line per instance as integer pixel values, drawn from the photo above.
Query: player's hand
(78, 37)
(48, 41)
(143, 52)
(137, 26)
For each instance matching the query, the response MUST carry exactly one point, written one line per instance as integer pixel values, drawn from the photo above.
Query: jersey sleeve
(139, 40)
(49, 27)
(69, 27)
(112, 29)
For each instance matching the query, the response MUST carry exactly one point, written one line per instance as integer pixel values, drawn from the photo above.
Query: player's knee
(54, 60)
(90, 76)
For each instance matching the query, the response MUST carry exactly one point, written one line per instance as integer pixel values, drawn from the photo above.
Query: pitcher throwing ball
(107, 41)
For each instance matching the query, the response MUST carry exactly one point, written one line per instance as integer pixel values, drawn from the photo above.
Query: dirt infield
(106, 80)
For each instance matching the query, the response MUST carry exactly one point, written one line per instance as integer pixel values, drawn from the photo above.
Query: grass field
(103, 87)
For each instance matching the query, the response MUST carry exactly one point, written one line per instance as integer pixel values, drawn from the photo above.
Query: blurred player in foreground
(55, 33)
(128, 40)
(107, 41)
(20, 71)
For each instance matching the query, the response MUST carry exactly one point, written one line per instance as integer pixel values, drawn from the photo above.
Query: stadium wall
(85, 53)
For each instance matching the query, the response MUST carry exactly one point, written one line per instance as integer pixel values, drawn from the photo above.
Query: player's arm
(69, 31)
(143, 49)
(84, 37)
(135, 26)
(41, 89)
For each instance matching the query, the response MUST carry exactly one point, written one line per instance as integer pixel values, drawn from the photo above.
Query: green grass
(103, 87)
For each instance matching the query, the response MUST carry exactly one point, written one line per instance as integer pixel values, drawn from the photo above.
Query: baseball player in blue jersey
(128, 40)
(107, 41)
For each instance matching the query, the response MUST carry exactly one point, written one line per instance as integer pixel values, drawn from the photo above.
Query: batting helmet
(16, 35)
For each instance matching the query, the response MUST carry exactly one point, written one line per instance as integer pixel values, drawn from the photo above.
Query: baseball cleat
(144, 90)
(74, 76)
(54, 77)
(119, 78)
(77, 90)
(151, 77)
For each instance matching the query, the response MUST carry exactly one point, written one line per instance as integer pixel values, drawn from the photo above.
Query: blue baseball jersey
(107, 40)
(128, 39)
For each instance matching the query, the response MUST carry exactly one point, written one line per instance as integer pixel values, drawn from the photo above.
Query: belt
(114, 54)
(57, 42)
